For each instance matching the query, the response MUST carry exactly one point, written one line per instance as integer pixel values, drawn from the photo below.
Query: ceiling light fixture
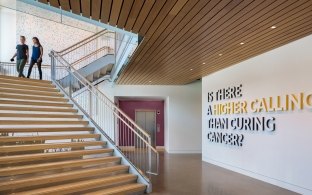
(204, 63)
(149, 81)
(220, 54)
(242, 43)
(273, 27)
(191, 69)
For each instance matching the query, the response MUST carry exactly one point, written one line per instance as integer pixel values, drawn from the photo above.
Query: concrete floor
(186, 174)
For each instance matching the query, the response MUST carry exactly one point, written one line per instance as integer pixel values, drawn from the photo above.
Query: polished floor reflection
(186, 174)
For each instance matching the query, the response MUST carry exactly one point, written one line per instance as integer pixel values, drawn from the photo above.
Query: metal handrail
(115, 109)
(91, 54)
(84, 41)
(90, 85)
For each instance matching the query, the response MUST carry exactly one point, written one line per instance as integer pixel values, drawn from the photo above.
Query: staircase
(47, 147)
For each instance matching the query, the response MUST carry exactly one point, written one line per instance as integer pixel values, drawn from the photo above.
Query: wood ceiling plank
(143, 14)
(65, 5)
(116, 7)
(43, 1)
(75, 6)
(251, 31)
(151, 16)
(200, 36)
(209, 25)
(287, 39)
(54, 3)
(85, 8)
(124, 13)
(106, 9)
(264, 38)
(135, 10)
(183, 17)
(161, 16)
(188, 22)
(96, 9)
(213, 14)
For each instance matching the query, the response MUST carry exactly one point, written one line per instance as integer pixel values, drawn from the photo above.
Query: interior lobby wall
(7, 33)
(182, 111)
(54, 31)
(279, 152)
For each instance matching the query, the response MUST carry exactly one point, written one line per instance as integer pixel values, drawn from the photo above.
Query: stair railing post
(70, 87)
(149, 155)
(52, 66)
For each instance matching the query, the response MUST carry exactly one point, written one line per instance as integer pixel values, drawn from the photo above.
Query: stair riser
(35, 147)
(27, 87)
(24, 97)
(57, 166)
(31, 130)
(34, 109)
(12, 115)
(11, 102)
(5, 139)
(49, 156)
(27, 92)
(18, 122)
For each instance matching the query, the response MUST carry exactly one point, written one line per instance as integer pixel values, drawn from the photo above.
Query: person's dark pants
(32, 62)
(20, 64)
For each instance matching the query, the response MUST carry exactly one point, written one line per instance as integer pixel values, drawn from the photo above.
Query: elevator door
(147, 120)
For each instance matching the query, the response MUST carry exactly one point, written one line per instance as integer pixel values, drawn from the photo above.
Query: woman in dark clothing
(36, 57)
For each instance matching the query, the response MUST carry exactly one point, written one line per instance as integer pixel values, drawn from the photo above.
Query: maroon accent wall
(129, 107)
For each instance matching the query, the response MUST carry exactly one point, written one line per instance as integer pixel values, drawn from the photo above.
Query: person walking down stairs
(21, 55)
(36, 57)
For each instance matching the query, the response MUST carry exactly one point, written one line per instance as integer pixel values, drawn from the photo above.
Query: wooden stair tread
(18, 170)
(29, 92)
(60, 177)
(12, 115)
(4, 139)
(41, 122)
(24, 79)
(31, 97)
(31, 147)
(56, 155)
(28, 87)
(25, 82)
(82, 185)
(39, 109)
(119, 190)
(36, 103)
(49, 129)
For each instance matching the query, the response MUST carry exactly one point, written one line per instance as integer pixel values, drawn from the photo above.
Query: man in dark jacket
(21, 54)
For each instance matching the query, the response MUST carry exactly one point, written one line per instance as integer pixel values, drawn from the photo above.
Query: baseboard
(273, 181)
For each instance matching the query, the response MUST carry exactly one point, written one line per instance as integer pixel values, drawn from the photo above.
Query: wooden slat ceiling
(185, 40)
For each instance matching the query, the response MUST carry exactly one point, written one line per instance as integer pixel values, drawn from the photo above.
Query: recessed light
(149, 81)
(242, 43)
(191, 69)
(204, 63)
(273, 27)
(220, 54)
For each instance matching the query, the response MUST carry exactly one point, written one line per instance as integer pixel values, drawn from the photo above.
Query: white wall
(283, 157)
(182, 112)
(54, 31)
(7, 33)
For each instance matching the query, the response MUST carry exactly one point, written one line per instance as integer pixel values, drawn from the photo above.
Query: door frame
(148, 110)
